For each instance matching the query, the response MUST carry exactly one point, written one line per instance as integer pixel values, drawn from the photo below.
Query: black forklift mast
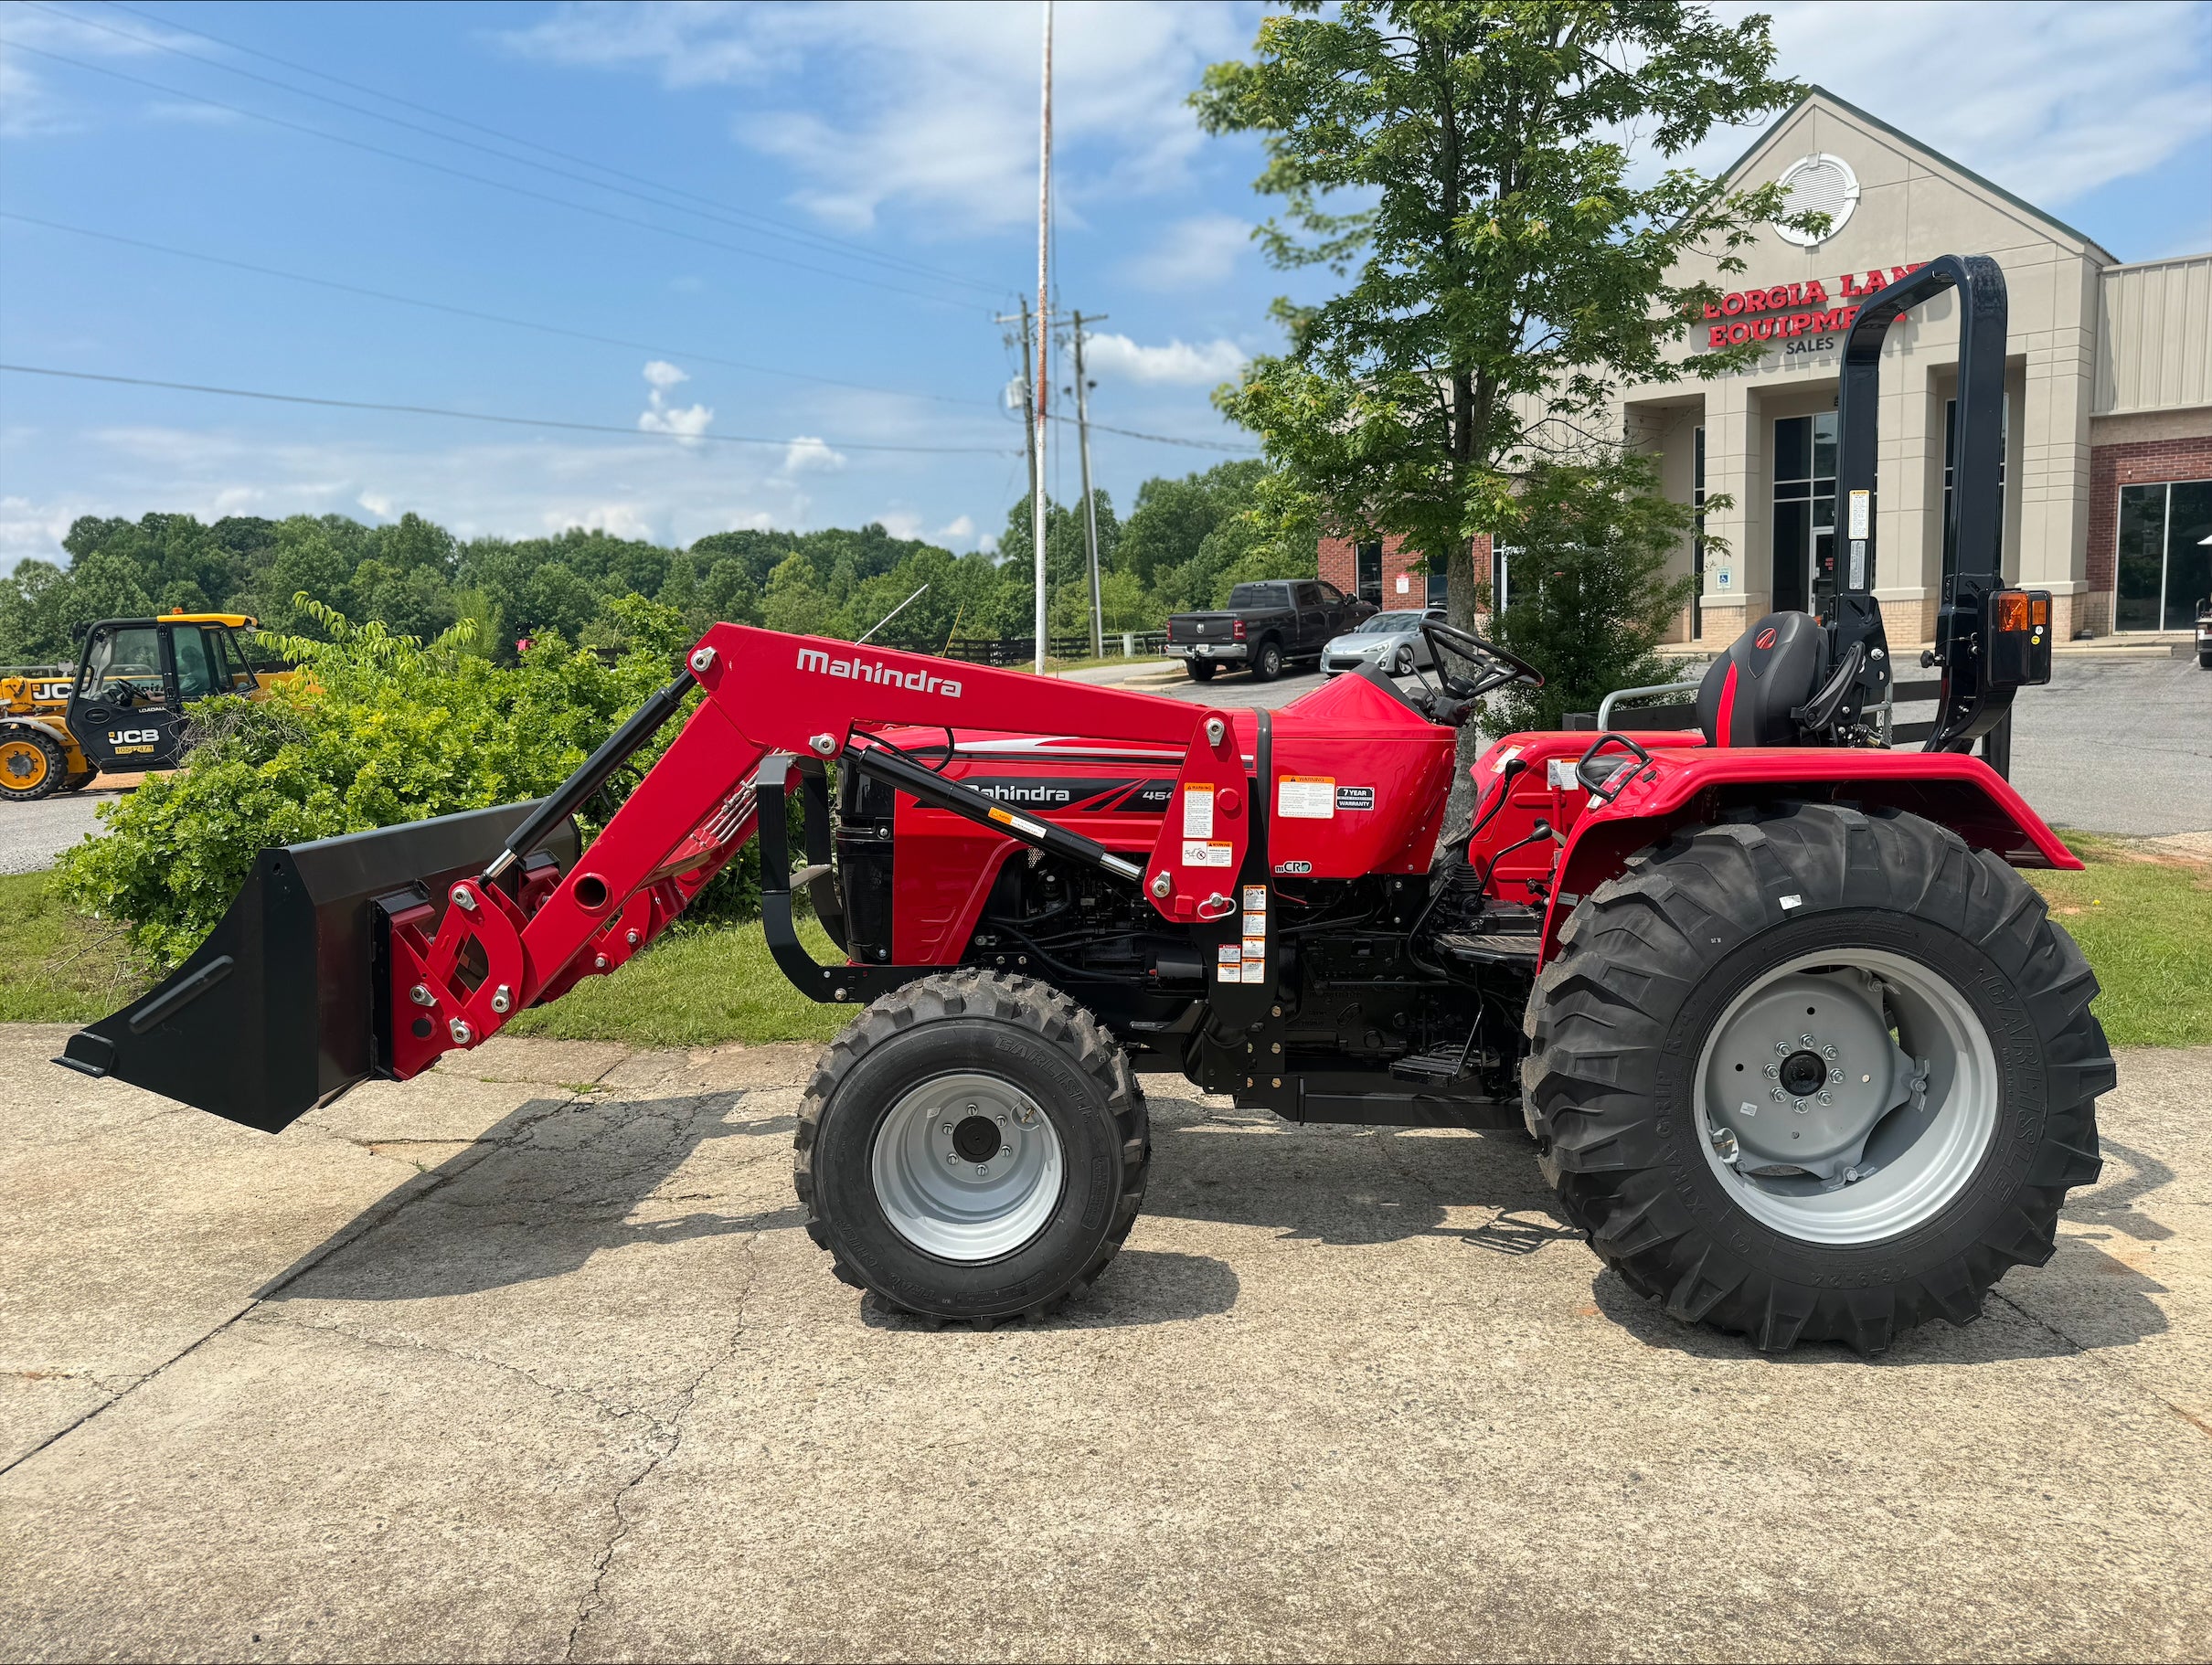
(1976, 694)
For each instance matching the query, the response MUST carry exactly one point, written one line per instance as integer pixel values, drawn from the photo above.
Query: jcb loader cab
(1796, 1047)
(135, 676)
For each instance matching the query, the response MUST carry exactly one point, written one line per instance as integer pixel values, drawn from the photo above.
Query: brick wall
(2139, 463)
(1340, 566)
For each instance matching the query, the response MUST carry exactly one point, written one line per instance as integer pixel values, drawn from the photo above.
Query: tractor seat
(1771, 670)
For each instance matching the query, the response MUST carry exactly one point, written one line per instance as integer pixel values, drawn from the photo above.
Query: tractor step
(1450, 1065)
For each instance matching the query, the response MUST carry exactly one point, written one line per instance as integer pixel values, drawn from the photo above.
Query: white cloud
(959, 527)
(988, 544)
(2051, 100)
(686, 423)
(34, 531)
(377, 505)
(30, 107)
(928, 106)
(807, 454)
(901, 522)
(1195, 253)
(1178, 363)
(617, 519)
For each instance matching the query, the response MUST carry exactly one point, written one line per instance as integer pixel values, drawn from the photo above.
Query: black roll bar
(1974, 515)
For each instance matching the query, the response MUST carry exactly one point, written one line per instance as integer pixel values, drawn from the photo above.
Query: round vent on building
(1819, 184)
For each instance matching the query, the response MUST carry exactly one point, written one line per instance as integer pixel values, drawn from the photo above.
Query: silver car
(1391, 642)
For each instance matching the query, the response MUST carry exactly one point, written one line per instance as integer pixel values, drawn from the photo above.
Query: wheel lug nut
(1804, 1040)
(1798, 1105)
(1773, 1070)
(1783, 1047)
(1836, 1074)
(1828, 1053)
(1777, 1095)
(1827, 1098)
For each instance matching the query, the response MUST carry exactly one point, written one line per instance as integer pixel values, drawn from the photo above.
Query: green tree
(1464, 163)
(1588, 597)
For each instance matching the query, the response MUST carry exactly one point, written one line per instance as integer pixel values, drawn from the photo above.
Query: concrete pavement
(529, 1360)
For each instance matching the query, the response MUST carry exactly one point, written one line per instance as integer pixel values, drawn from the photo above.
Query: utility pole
(1029, 404)
(1091, 510)
(1042, 382)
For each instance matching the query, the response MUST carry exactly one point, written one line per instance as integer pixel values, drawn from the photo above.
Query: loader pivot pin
(461, 1033)
(826, 745)
(1162, 885)
(1214, 731)
(464, 899)
(702, 661)
(422, 996)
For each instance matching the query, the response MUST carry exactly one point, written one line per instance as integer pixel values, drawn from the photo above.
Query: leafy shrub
(378, 729)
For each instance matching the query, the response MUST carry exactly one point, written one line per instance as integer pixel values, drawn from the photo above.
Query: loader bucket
(282, 1008)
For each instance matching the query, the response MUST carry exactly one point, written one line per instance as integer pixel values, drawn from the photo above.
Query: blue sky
(845, 193)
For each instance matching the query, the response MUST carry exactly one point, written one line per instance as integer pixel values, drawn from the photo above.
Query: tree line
(1186, 541)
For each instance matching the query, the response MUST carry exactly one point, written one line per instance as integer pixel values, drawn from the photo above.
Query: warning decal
(1197, 812)
(1200, 853)
(1305, 797)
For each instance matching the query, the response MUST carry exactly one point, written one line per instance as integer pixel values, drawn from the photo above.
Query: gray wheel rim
(1891, 1129)
(939, 1189)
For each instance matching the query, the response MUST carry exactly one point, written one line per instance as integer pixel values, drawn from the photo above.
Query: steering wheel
(1493, 667)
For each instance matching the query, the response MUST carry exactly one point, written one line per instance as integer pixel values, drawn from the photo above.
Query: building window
(1804, 512)
(1367, 565)
(2165, 555)
(1500, 585)
(1951, 458)
(1697, 541)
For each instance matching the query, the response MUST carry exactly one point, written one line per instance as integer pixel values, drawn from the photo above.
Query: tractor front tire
(1201, 670)
(31, 766)
(1815, 1075)
(974, 1148)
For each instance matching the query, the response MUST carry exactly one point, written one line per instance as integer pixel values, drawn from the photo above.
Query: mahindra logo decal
(857, 668)
(1766, 638)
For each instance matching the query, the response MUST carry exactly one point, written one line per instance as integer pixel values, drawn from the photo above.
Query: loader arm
(461, 960)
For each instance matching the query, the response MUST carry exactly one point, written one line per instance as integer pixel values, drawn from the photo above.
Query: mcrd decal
(1293, 866)
(856, 669)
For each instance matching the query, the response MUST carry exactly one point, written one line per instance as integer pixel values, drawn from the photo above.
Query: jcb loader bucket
(282, 1008)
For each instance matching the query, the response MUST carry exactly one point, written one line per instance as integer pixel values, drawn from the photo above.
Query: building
(2107, 454)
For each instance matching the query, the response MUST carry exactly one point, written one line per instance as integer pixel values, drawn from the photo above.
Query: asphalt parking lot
(530, 1360)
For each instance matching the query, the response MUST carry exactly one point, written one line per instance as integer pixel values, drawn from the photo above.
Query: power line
(765, 219)
(500, 184)
(741, 218)
(505, 421)
(468, 312)
(1161, 439)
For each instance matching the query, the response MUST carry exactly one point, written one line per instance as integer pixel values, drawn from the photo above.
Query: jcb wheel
(31, 766)
(1816, 1074)
(973, 1147)
(80, 780)
(1201, 670)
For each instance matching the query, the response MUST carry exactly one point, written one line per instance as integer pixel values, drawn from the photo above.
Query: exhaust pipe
(285, 1005)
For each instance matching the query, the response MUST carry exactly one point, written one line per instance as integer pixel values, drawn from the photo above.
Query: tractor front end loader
(1799, 1050)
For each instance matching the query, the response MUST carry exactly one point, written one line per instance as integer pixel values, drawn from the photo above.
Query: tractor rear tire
(973, 1147)
(1201, 670)
(1918, 962)
(31, 766)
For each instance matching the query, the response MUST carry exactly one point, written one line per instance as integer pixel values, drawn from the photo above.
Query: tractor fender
(1692, 785)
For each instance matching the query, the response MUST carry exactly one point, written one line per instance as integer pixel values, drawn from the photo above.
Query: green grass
(2144, 919)
(57, 966)
(694, 988)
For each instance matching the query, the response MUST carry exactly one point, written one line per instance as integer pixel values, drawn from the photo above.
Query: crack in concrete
(673, 1433)
(2095, 1355)
(408, 1195)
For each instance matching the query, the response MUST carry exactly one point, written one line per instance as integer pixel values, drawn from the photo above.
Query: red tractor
(1799, 1050)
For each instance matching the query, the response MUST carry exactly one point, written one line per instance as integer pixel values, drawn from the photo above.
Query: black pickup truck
(1265, 627)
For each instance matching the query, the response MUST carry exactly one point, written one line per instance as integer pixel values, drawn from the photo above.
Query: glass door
(1805, 512)
(2165, 555)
